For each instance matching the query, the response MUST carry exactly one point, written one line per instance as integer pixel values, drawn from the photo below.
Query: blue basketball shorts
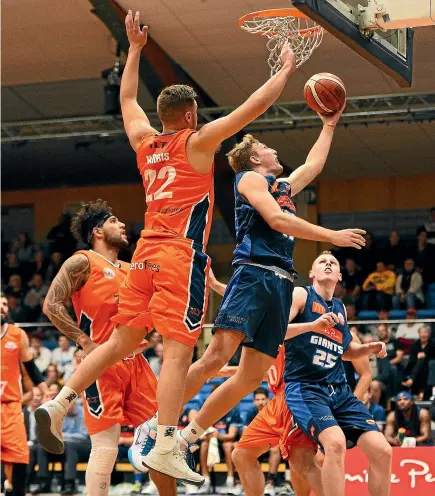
(316, 407)
(257, 303)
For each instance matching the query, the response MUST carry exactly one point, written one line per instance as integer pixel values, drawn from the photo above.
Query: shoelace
(147, 444)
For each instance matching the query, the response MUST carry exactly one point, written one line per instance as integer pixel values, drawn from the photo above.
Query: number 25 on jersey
(166, 174)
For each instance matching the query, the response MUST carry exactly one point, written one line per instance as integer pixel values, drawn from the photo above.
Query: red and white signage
(413, 472)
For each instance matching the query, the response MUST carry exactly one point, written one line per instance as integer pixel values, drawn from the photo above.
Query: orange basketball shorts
(125, 394)
(274, 426)
(166, 288)
(14, 448)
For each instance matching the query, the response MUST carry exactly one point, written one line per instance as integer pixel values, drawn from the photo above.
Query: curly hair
(174, 100)
(90, 215)
(239, 156)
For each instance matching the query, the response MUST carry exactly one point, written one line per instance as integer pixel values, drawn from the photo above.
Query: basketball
(324, 93)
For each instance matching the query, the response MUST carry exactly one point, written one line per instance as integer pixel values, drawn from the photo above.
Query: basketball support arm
(395, 14)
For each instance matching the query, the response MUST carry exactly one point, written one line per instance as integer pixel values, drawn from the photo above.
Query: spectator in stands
(77, 448)
(41, 354)
(52, 375)
(54, 389)
(15, 288)
(156, 362)
(32, 439)
(390, 369)
(226, 430)
(429, 227)
(352, 279)
(153, 340)
(414, 420)
(61, 239)
(341, 293)
(407, 334)
(54, 265)
(424, 253)
(367, 257)
(351, 312)
(63, 355)
(367, 339)
(33, 297)
(378, 288)
(409, 287)
(261, 398)
(17, 311)
(377, 412)
(40, 264)
(10, 267)
(394, 253)
(190, 412)
(417, 369)
(23, 248)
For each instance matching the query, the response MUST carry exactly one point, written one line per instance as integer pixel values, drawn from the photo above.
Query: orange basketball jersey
(97, 301)
(179, 199)
(275, 374)
(10, 385)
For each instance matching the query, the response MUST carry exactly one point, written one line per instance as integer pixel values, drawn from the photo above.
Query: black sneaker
(41, 488)
(69, 488)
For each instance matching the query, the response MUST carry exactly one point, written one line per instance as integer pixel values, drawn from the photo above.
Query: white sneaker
(206, 487)
(49, 419)
(144, 441)
(269, 490)
(150, 488)
(192, 489)
(173, 464)
(236, 490)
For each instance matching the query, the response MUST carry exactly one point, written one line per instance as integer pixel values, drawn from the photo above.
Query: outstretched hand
(287, 58)
(348, 237)
(331, 120)
(379, 349)
(136, 36)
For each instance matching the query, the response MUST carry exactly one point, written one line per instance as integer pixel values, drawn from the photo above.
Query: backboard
(389, 50)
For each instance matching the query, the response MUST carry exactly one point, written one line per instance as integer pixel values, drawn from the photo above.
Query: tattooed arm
(72, 276)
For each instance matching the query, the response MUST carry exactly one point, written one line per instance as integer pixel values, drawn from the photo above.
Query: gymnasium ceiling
(53, 54)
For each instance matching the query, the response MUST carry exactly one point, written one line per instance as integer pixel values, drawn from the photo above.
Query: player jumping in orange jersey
(14, 351)
(125, 394)
(167, 285)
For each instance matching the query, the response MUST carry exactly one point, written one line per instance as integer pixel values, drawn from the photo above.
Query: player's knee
(336, 446)
(383, 453)
(238, 456)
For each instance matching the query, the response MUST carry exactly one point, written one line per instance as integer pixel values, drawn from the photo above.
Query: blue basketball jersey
(315, 357)
(257, 242)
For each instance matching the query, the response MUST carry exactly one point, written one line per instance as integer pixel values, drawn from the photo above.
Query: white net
(303, 35)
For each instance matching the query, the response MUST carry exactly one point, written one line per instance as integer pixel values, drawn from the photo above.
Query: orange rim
(279, 13)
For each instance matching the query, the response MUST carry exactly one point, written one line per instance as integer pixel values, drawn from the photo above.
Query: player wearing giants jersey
(316, 390)
(166, 287)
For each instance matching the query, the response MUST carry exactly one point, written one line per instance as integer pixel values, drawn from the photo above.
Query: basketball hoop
(281, 25)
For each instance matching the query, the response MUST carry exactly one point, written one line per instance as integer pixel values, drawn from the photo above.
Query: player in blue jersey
(316, 390)
(257, 301)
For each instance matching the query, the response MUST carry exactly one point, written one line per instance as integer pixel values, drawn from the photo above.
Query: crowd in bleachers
(393, 280)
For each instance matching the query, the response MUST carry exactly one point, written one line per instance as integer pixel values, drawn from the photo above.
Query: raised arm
(210, 136)
(254, 188)
(72, 276)
(136, 122)
(316, 159)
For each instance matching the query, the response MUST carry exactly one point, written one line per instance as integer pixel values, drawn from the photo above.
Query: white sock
(192, 432)
(154, 421)
(166, 438)
(66, 397)
(230, 480)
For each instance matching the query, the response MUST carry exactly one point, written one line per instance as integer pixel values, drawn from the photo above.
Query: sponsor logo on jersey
(11, 346)
(237, 320)
(145, 265)
(333, 334)
(318, 340)
(285, 202)
(108, 273)
(371, 421)
(318, 308)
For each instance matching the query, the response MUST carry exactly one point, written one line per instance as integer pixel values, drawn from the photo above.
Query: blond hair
(174, 100)
(239, 157)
